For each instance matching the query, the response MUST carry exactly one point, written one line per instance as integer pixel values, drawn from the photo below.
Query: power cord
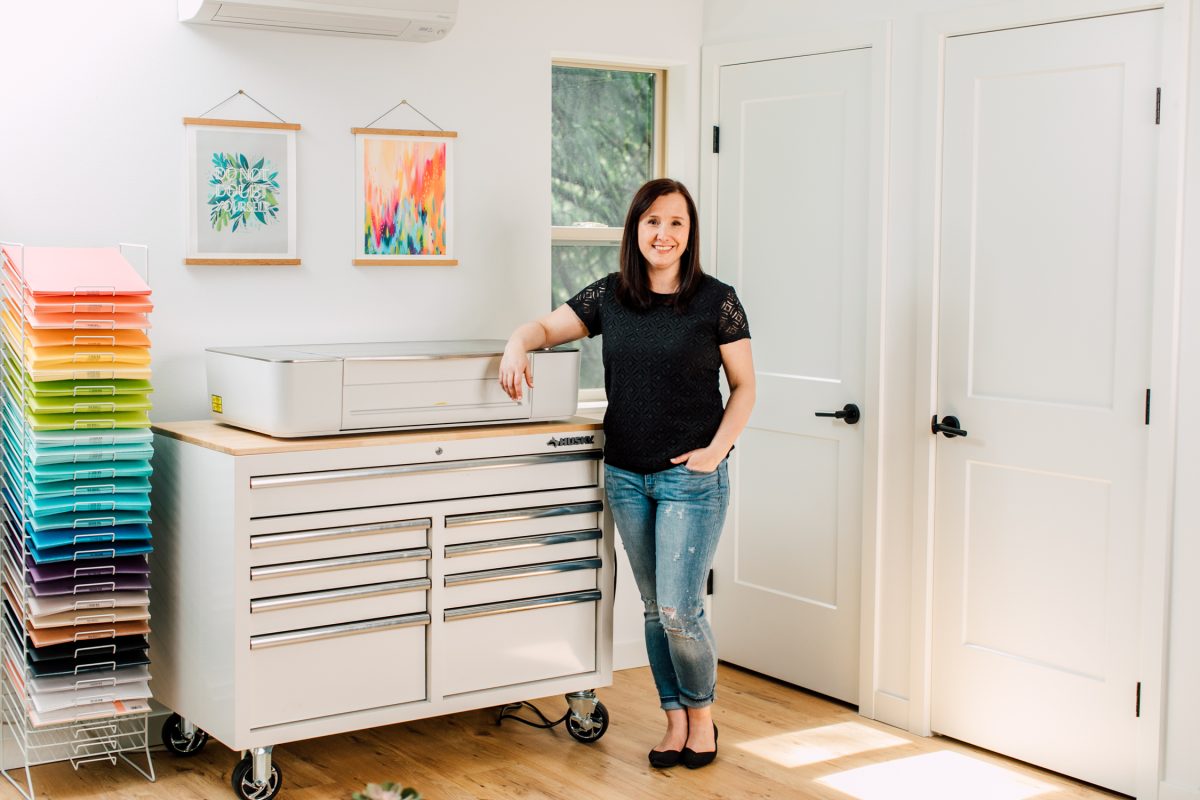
(508, 712)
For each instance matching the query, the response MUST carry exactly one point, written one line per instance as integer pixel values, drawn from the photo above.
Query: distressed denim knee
(681, 623)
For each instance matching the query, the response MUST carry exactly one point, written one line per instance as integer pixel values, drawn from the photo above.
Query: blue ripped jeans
(669, 523)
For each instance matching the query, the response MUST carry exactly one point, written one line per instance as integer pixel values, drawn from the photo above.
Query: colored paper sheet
(95, 602)
(79, 271)
(89, 488)
(24, 336)
(79, 472)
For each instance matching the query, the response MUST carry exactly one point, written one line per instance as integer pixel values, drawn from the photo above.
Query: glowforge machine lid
(374, 351)
(325, 389)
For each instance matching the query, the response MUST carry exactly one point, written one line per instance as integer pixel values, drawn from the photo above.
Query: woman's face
(663, 232)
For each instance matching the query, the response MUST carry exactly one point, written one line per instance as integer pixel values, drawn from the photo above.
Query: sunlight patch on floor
(798, 748)
(936, 776)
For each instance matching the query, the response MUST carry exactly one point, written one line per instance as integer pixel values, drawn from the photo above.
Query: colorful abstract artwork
(241, 192)
(403, 207)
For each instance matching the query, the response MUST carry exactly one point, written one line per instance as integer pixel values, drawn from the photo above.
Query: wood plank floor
(777, 743)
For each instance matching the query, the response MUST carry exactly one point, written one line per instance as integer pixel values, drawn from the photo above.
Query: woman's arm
(739, 372)
(558, 327)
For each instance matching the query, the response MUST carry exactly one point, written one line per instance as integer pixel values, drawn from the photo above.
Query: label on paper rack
(217, 404)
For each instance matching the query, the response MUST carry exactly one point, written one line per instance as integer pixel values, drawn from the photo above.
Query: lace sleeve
(732, 324)
(586, 306)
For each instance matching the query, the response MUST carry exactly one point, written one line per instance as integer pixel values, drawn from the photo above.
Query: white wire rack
(87, 737)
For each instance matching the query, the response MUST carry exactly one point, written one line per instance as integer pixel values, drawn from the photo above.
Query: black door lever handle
(948, 427)
(849, 413)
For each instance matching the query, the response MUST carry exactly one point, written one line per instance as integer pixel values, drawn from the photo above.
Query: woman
(668, 329)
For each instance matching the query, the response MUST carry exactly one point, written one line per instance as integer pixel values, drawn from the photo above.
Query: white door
(792, 238)
(1046, 257)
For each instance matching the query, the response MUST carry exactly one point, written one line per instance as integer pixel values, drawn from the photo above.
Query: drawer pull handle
(323, 534)
(330, 631)
(333, 595)
(467, 465)
(521, 542)
(526, 571)
(470, 612)
(520, 514)
(345, 562)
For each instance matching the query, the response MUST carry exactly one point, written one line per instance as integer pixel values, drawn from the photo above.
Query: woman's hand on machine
(514, 366)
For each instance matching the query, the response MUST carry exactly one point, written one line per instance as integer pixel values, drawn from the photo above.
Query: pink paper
(74, 271)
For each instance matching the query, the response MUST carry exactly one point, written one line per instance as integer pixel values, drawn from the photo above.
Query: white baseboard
(1171, 791)
(891, 709)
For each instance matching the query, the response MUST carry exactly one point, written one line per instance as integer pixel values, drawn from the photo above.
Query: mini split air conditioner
(403, 20)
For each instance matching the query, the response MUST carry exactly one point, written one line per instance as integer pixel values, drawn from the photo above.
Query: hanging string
(410, 105)
(252, 100)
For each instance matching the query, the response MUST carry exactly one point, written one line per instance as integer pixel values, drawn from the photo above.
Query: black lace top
(661, 370)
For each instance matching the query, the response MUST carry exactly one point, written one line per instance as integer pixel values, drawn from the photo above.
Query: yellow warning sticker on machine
(217, 405)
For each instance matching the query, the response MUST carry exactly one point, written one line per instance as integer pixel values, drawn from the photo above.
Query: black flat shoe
(664, 758)
(693, 760)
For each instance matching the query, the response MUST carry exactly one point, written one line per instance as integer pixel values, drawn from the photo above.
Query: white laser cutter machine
(327, 389)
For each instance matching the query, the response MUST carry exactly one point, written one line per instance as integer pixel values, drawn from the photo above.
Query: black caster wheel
(177, 743)
(592, 731)
(243, 781)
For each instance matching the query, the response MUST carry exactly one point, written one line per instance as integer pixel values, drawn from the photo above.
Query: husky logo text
(563, 441)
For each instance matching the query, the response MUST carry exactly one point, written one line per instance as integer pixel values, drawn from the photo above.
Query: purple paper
(89, 570)
(98, 583)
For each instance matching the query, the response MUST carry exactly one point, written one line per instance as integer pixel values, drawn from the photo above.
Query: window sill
(592, 409)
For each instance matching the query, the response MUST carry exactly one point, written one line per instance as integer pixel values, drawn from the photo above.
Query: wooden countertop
(238, 442)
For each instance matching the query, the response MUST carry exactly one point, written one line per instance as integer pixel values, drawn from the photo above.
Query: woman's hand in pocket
(701, 460)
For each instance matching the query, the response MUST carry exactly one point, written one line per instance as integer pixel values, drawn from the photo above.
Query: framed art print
(241, 204)
(404, 197)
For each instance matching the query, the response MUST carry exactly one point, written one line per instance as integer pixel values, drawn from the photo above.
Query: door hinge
(716, 138)
(1137, 705)
(1147, 406)
(1158, 105)
(710, 581)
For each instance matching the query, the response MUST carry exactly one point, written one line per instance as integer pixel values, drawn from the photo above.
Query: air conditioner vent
(405, 20)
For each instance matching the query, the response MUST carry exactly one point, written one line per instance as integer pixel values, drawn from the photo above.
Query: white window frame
(583, 233)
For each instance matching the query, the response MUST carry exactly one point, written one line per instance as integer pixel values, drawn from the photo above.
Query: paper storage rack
(75, 485)
(306, 587)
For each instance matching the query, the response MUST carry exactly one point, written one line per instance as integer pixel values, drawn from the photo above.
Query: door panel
(1044, 321)
(791, 236)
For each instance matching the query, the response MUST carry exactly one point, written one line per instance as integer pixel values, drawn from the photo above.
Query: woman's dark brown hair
(633, 289)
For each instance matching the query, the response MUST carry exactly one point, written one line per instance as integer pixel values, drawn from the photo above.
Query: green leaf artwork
(240, 194)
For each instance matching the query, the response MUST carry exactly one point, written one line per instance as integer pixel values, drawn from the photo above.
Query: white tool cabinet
(310, 587)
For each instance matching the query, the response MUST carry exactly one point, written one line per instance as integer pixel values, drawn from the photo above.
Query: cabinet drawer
(333, 606)
(500, 644)
(342, 540)
(331, 573)
(335, 669)
(408, 483)
(476, 556)
(515, 583)
(529, 521)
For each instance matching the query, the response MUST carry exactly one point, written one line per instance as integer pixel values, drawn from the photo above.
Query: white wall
(92, 100)
(1181, 772)
(91, 106)
(745, 20)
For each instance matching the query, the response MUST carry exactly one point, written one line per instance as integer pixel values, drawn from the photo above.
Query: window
(607, 133)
